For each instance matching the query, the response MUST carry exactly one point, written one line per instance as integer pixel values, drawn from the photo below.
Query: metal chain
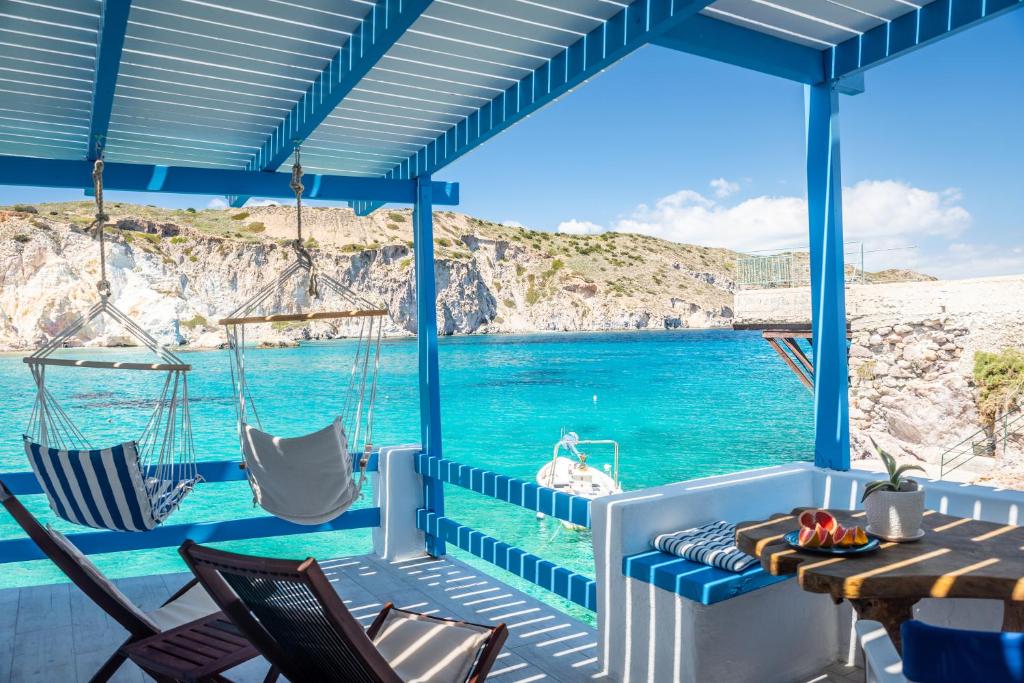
(98, 224)
(304, 255)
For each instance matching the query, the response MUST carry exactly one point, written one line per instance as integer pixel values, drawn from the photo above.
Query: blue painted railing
(563, 582)
(173, 535)
(526, 494)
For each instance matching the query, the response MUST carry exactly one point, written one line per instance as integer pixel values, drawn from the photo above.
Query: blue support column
(828, 295)
(426, 337)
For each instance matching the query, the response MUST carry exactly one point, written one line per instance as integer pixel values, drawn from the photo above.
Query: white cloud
(513, 224)
(263, 202)
(723, 188)
(961, 260)
(882, 212)
(217, 203)
(576, 227)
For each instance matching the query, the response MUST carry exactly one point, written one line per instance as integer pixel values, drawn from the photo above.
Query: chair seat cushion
(194, 604)
(424, 649)
(934, 654)
(304, 479)
(96, 575)
(713, 544)
(695, 581)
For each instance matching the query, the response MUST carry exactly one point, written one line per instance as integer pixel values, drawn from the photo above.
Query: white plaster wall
(398, 494)
(648, 634)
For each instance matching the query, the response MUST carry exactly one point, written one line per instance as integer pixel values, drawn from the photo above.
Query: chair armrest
(882, 664)
(379, 621)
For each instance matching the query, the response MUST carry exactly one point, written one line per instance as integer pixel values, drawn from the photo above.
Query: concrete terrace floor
(54, 634)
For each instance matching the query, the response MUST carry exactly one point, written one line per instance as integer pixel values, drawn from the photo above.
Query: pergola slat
(113, 25)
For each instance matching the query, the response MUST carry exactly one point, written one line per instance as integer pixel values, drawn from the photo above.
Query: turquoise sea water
(682, 404)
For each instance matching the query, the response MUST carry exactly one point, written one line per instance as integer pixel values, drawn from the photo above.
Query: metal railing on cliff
(984, 442)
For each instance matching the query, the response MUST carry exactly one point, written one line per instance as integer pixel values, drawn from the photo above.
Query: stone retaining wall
(911, 354)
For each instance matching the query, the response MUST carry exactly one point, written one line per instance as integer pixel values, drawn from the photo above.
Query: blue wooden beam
(112, 27)
(172, 535)
(26, 484)
(563, 582)
(525, 494)
(426, 339)
(925, 25)
(635, 25)
(724, 42)
(385, 23)
(30, 171)
(828, 295)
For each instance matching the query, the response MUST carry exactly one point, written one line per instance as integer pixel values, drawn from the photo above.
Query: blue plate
(871, 546)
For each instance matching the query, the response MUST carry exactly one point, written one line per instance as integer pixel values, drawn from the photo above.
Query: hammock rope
(135, 485)
(356, 409)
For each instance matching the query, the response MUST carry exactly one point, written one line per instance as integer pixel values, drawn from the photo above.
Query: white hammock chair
(308, 479)
(134, 485)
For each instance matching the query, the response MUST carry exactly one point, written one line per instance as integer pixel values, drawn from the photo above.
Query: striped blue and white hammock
(133, 486)
(105, 489)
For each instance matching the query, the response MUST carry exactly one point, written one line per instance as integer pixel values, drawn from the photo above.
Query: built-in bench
(695, 581)
(665, 618)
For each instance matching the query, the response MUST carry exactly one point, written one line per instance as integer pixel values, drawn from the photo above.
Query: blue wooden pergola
(210, 97)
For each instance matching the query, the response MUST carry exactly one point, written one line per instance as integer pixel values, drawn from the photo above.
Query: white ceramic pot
(896, 515)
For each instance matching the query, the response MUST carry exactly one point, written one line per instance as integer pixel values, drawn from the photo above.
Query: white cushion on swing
(305, 479)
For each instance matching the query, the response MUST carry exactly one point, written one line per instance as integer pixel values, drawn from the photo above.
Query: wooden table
(197, 651)
(957, 558)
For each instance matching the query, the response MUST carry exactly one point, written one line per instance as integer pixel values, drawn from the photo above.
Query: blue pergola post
(426, 336)
(828, 296)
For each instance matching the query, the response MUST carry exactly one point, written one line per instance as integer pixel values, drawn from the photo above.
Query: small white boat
(573, 474)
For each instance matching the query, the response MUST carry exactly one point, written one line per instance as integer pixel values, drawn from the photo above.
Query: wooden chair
(291, 613)
(189, 603)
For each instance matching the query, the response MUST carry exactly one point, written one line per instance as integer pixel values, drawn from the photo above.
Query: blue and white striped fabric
(104, 489)
(713, 544)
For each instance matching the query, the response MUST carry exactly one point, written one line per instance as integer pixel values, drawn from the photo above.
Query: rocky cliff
(178, 271)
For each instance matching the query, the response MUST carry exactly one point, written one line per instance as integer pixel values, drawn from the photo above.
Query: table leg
(1013, 615)
(890, 612)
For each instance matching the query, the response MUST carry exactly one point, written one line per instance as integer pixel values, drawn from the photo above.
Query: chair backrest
(97, 587)
(290, 612)
(932, 654)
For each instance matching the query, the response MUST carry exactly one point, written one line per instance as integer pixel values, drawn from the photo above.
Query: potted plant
(895, 505)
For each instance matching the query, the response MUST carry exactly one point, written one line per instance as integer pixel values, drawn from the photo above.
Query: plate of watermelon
(820, 532)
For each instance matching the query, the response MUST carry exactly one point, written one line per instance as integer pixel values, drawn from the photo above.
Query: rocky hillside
(179, 271)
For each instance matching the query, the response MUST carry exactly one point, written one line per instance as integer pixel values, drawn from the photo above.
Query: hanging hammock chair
(308, 479)
(135, 485)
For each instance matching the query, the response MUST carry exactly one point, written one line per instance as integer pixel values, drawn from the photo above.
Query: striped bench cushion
(713, 544)
(103, 488)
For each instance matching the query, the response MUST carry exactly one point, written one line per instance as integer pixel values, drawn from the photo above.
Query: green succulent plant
(895, 481)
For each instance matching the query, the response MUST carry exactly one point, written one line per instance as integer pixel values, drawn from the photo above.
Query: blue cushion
(932, 654)
(695, 581)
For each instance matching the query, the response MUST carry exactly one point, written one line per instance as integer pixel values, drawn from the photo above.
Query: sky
(691, 150)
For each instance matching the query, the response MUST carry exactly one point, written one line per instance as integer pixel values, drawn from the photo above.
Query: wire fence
(772, 269)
